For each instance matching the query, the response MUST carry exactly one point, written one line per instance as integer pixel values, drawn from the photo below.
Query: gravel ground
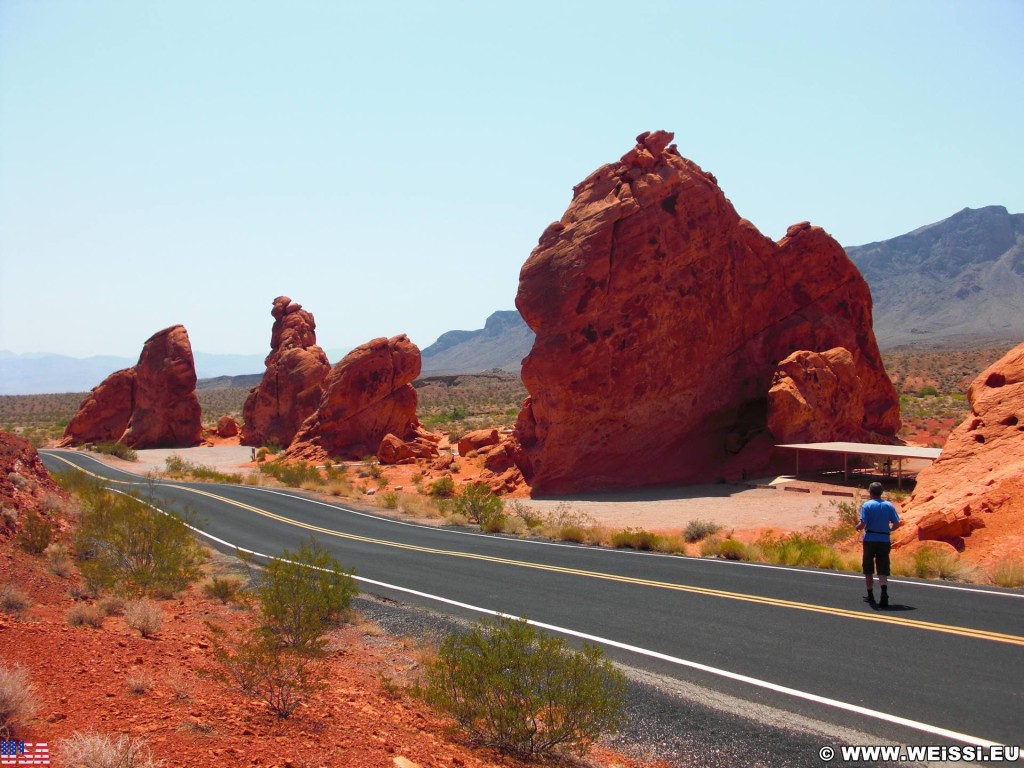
(679, 723)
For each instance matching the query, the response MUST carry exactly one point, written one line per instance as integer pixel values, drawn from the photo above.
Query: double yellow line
(978, 634)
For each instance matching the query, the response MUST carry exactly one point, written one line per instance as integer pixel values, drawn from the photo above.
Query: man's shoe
(870, 598)
(884, 602)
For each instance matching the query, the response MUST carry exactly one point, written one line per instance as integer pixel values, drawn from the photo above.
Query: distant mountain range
(959, 281)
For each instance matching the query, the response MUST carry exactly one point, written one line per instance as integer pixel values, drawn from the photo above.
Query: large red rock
(292, 383)
(366, 396)
(660, 317)
(166, 412)
(816, 397)
(152, 405)
(104, 414)
(976, 483)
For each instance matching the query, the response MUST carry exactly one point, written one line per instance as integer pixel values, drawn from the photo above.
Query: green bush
(293, 475)
(479, 505)
(388, 499)
(636, 538)
(731, 549)
(36, 534)
(224, 589)
(302, 594)
(523, 692)
(178, 467)
(115, 449)
(443, 488)
(698, 530)
(125, 546)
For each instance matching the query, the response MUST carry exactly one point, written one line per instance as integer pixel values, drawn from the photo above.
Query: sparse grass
(95, 750)
(180, 469)
(180, 684)
(634, 538)
(293, 475)
(929, 563)
(58, 560)
(17, 700)
(117, 450)
(388, 499)
(144, 616)
(13, 600)
(1008, 572)
(84, 615)
(111, 605)
(139, 683)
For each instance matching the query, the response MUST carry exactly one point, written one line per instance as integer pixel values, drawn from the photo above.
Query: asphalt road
(944, 665)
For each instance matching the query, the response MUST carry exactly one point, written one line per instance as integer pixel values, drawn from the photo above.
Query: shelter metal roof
(870, 449)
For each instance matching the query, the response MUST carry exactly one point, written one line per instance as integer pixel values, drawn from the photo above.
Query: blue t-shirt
(876, 516)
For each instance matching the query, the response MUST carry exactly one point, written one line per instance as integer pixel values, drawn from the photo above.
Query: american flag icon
(24, 753)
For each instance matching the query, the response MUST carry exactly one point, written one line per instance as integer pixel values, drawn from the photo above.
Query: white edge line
(835, 703)
(603, 550)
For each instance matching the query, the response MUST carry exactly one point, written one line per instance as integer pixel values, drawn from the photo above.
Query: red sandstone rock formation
(166, 412)
(226, 427)
(292, 383)
(394, 450)
(366, 396)
(660, 317)
(152, 405)
(476, 440)
(817, 398)
(104, 414)
(977, 481)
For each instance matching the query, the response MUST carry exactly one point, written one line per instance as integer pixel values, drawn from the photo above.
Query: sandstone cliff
(660, 317)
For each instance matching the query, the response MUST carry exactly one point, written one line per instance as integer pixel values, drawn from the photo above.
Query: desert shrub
(177, 467)
(799, 549)
(929, 563)
(515, 526)
(479, 505)
(144, 616)
(293, 475)
(58, 560)
(84, 615)
(125, 546)
(118, 450)
(13, 600)
(698, 530)
(635, 538)
(95, 750)
(457, 519)
(224, 588)
(443, 488)
(523, 692)
(532, 519)
(179, 684)
(669, 544)
(139, 683)
(259, 668)
(388, 499)
(301, 594)
(730, 549)
(8, 518)
(36, 533)
(1008, 572)
(17, 700)
(111, 605)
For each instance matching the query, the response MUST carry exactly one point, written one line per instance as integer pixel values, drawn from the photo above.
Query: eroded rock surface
(660, 318)
(366, 396)
(293, 381)
(976, 483)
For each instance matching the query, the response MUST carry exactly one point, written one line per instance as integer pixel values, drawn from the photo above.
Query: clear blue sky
(390, 165)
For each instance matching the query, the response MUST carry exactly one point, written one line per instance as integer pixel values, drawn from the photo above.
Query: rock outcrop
(366, 396)
(816, 396)
(158, 396)
(226, 427)
(25, 485)
(292, 383)
(660, 317)
(978, 480)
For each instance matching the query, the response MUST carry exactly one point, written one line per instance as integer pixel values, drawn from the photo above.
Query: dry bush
(418, 506)
(139, 682)
(8, 519)
(340, 488)
(58, 560)
(84, 615)
(223, 588)
(111, 605)
(144, 616)
(96, 750)
(180, 684)
(17, 700)
(1008, 572)
(13, 600)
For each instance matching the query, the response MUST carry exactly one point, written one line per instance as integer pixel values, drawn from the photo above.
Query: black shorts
(876, 552)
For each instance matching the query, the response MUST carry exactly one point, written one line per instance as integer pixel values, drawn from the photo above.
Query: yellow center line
(980, 634)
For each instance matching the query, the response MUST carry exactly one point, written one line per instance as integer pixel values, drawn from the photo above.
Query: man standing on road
(877, 519)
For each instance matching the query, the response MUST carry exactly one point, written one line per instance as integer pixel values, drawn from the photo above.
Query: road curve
(944, 665)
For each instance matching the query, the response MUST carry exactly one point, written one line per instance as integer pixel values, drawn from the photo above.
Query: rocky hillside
(502, 343)
(958, 281)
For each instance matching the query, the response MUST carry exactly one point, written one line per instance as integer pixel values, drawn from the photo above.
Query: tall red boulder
(166, 412)
(366, 396)
(660, 316)
(152, 405)
(292, 383)
(975, 489)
